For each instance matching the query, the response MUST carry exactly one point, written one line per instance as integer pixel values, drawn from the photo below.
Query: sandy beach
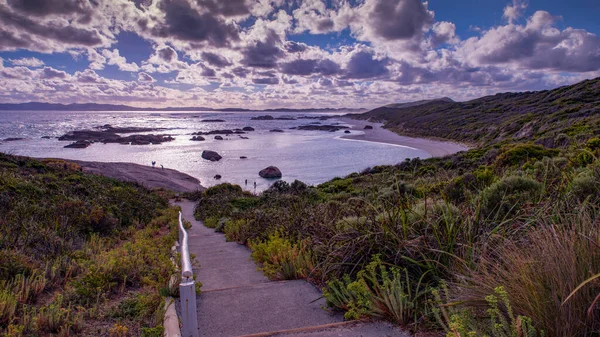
(144, 175)
(380, 135)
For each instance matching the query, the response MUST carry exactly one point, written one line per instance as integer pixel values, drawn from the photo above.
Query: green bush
(508, 195)
(521, 153)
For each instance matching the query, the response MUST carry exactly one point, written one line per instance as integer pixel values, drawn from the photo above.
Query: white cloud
(31, 62)
(113, 58)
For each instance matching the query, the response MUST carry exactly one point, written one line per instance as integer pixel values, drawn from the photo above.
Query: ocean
(309, 156)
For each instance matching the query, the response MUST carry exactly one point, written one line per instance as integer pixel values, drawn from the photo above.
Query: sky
(290, 53)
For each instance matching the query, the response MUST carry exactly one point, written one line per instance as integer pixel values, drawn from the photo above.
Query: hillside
(500, 240)
(551, 118)
(80, 254)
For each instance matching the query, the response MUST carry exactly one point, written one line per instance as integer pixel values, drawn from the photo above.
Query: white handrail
(186, 263)
(187, 287)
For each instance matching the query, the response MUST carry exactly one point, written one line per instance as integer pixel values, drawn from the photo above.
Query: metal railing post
(187, 287)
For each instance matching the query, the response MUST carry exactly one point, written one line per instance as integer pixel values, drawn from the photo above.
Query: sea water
(309, 156)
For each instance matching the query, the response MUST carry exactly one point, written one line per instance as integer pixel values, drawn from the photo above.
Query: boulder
(218, 138)
(368, 127)
(347, 131)
(247, 128)
(211, 155)
(243, 157)
(45, 137)
(270, 172)
(197, 138)
(217, 176)
(276, 130)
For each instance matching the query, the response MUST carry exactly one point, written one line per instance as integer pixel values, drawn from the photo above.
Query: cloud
(310, 66)
(394, 19)
(51, 73)
(145, 78)
(263, 54)
(226, 8)
(444, 32)
(19, 30)
(185, 22)
(363, 65)
(27, 62)
(515, 11)
(535, 45)
(113, 58)
(215, 60)
(266, 80)
(87, 76)
(240, 71)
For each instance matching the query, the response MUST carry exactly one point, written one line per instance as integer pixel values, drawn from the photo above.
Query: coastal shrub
(499, 319)
(211, 222)
(520, 153)
(218, 199)
(586, 185)
(541, 272)
(282, 259)
(508, 195)
(338, 185)
(237, 230)
(379, 291)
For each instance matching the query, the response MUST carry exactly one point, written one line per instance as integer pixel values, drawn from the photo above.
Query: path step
(262, 307)
(343, 329)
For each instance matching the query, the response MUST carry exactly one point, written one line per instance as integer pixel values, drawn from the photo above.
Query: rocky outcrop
(219, 132)
(243, 157)
(213, 120)
(276, 130)
(218, 138)
(271, 118)
(263, 118)
(347, 131)
(368, 127)
(109, 136)
(80, 144)
(330, 128)
(247, 128)
(12, 139)
(45, 137)
(270, 172)
(217, 177)
(141, 139)
(197, 138)
(211, 155)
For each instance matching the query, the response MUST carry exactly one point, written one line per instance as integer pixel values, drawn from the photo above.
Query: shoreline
(378, 134)
(144, 175)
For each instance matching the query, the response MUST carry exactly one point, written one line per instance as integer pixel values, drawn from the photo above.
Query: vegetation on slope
(80, 254)
(489, 242)
(552, 118)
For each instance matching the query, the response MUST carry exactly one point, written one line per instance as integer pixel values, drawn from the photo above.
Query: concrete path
(237, 300)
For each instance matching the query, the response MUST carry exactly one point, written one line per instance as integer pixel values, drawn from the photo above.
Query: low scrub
(281, 259)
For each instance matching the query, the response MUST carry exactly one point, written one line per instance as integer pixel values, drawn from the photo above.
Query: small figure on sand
(162, 167)
(153, 164)
(246, 181)
(255, 185)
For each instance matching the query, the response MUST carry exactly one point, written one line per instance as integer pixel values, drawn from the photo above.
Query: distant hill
(417, 103)
(40, 106)
(548, 117)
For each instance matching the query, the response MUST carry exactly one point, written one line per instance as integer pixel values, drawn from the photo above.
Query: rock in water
(346, 131)
(218, 138)
(211, 155)
(218, 176)
(80, 144)
(247, 128)
(270, 172)
(243, 157)
(368, 127)
(197, 138)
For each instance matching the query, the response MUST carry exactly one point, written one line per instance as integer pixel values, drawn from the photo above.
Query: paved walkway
(237, 300)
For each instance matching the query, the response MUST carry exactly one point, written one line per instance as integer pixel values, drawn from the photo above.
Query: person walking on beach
(162, 167)
(246, 181)
(153, 163)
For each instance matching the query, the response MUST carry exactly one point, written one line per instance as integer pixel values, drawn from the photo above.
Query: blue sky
(277, 53)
